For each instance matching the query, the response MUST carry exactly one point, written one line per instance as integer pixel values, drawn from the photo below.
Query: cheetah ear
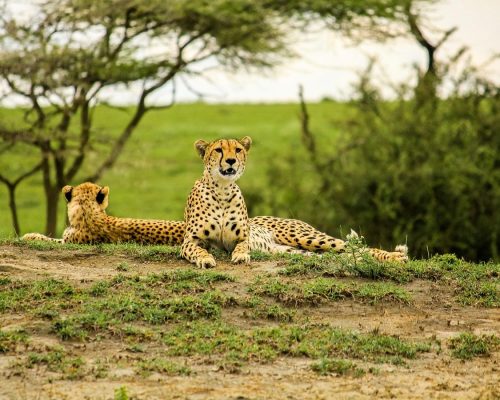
(246, 142)
(102, 196)
(201, 147)
(67, 191)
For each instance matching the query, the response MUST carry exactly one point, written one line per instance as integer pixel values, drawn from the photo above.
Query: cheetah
(216, 215)
(89, 223)
(287, 234)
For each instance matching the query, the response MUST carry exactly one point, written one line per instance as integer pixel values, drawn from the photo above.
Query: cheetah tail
(402, 248)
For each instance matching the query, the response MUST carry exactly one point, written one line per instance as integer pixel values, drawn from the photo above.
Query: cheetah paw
(39, 236)
(243, 258)
(32, 236)
(206, 262)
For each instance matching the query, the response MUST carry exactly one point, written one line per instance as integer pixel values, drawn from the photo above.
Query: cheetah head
(84, 200)
(224, 159)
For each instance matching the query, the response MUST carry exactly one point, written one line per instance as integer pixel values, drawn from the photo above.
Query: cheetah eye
(238, 149)
(218, 150)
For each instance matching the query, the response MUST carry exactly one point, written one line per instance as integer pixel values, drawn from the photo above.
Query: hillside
(125, 321)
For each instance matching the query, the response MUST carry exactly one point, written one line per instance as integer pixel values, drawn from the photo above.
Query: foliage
(420, 169)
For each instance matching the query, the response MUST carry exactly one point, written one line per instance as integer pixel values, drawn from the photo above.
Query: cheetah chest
(225, 221)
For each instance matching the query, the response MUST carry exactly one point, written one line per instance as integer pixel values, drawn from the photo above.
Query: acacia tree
(62, 59)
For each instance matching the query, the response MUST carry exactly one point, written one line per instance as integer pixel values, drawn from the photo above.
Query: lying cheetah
(89, 223)
(216, 215)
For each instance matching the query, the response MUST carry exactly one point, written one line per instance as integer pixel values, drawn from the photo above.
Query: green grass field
(159, 165)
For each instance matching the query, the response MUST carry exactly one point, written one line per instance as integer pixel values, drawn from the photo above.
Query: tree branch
(141, 109)
(417, 33)
(27, 174)
(19, 136)
(307, 137)
(85, 124)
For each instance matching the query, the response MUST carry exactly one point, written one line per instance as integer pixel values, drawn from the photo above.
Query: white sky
(326, 64)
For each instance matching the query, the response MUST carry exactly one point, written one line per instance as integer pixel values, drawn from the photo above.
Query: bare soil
(433, 315)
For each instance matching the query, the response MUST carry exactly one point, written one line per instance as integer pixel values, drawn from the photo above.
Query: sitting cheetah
(89, 222)
(216, 215)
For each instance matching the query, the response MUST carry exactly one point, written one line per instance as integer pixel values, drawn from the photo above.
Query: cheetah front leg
(194, 253)
(241, 253)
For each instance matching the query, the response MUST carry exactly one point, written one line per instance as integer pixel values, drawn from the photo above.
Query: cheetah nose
(230, 161)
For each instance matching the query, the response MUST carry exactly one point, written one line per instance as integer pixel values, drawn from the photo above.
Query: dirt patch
(433, 316)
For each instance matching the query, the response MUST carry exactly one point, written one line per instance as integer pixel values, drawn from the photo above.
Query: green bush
(421, 169)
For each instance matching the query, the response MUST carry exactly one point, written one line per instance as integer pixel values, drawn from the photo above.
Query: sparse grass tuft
(467, 345)
(57, 360)
(328, 264)
(328, 366)
(99, 369)
(273, 312)
(326, 289)
(154, 253)
(5, 281)
(123, 267)
(135, 250)
(162, 366)
(107, 314)
(99, 289)
(474, 284)
(260, 256)
(477, 293)
(9, 340)
(121, 393)
(24, 296)
(47, 312)
(74, 327)
(265, 344)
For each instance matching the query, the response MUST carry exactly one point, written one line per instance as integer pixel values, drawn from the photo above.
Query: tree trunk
(11, 187)
(13, 209)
